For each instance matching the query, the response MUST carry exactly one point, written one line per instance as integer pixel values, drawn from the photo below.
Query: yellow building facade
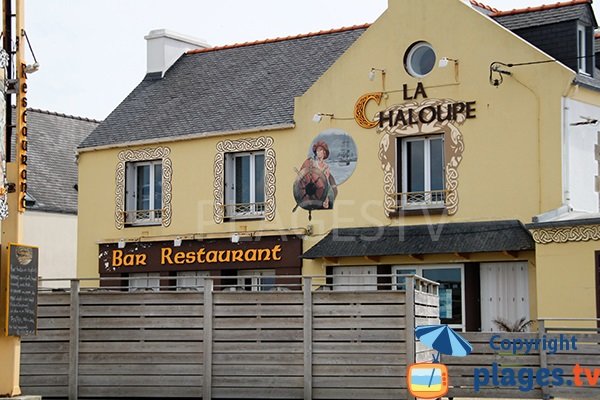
(451, 150)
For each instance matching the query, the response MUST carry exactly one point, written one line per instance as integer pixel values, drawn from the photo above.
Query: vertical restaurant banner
(22, 290)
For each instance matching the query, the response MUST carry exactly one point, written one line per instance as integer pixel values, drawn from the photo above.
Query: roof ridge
(280, 39)
(543, 7)
(62, 115)
(484, 6)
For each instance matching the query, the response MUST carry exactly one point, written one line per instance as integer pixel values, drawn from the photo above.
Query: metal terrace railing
(433, 198)
(298, 340)
(244, 209)
(143, 216)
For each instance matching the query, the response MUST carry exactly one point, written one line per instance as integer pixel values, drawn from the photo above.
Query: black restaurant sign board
(22, 290)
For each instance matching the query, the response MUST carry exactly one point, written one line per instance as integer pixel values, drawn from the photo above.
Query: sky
(92, 53)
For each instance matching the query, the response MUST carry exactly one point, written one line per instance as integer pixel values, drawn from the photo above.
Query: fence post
(208, 338)
(74, 341)
(410, 324)
(308, 339)
(543, 354)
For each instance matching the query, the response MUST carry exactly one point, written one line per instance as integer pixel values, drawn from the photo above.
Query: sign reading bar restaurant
(194, 255)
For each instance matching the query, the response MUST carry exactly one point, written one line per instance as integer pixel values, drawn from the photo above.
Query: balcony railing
(244, 210)
(430, 199)
(143, 217)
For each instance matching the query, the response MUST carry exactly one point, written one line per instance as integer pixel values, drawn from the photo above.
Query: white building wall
(56, 236)
(580, 166)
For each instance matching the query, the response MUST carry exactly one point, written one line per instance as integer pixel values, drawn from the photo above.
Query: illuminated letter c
(360, 110)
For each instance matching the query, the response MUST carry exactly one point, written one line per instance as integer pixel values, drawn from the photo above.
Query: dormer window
(583, 64)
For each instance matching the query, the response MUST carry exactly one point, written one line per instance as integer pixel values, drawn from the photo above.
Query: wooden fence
(218, 344)
(522, 375)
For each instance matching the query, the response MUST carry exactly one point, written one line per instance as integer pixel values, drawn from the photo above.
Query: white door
(354, 278)
(504, 293)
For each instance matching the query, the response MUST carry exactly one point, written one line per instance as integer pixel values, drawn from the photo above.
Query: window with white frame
(245, 184)
(420, 166)
(582, 50)
(191, 280)
(144, 192)
(451, 278)
(257, 280)
(144, 281)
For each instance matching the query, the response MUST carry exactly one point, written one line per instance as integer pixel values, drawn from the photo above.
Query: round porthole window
(419, 59)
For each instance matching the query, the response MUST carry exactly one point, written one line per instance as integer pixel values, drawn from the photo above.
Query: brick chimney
(164, 47)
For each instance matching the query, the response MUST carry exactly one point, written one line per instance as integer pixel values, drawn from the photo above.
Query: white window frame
(251, 209)
(582, 55)
(359, 278)
(144, 282)
(152, 216)
(426, 200)
(419, 271)
(256, 276)
(191, 280)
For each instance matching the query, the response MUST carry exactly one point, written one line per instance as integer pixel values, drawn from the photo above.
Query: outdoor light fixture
(177, 242)
(318, 117)
(443, 63)
(235, 238)
(121, 244)
(372, 73)
(31, 68)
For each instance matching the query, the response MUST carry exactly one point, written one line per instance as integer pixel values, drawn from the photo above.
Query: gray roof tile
(467, 237)
(52, 170)
(234, 88)
(550, 15)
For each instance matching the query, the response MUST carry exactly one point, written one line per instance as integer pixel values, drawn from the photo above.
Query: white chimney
(164, 47)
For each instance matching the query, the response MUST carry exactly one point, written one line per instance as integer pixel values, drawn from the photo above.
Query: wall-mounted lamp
(444, 61)
(372, 73)
(235, 238)
(31, 68)
(319, 117)
(121, 244)
(177, 242)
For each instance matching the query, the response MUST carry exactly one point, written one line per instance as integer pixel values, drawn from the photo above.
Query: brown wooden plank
(359, 297)
(358, 359)
(44, 369)
(140, 347)
(352, 381)
(141, 335)
(46, 391)
(152, 310)
(285, 298)
(262, 347)
(375, 348)
(142, 369)
(158, 298)
(140, 380)
(53, 335)
(272, 323)
(368, 310)
(53, 299)
(49, 358)
(45, 347)
(45, 380)
(53, 323)
(61, 311)
(250, 370)
(251, 310)
(495, 393)
(258, 358)
(145, 391)
(258, 335)
(359, 394)
(139, 322)
(257, 393)
(359, 370)
(360, 322)
(138, 358)
(426, 299)
(426, 311)
(394, 335)
(258, 381)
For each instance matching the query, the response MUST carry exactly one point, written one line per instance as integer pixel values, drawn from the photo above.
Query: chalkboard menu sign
(22, 290)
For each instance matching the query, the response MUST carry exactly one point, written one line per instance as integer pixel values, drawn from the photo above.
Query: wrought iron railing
(143, 216)
(244, 210)
(432, 198)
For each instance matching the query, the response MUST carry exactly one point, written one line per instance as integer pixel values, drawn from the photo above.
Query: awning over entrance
(470, 237)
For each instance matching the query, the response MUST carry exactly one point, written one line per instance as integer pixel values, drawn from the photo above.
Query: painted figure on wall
(331, 160)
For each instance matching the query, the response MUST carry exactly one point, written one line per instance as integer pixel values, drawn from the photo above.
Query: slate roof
(545, 15)
(51, 169)
(226, 89)
(467, 237)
